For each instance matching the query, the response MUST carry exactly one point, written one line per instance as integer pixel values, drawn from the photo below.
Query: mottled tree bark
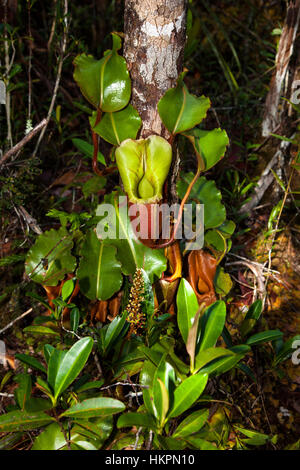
(277, 111)
(155, 33)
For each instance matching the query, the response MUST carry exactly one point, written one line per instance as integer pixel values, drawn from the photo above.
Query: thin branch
(15, 320)
(24, 141)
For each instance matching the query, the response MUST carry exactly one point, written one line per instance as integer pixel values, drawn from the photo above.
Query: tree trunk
(155, 33)
(277, 111)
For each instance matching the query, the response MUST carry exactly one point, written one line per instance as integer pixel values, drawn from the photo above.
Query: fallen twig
(24, 141)
(15, 320)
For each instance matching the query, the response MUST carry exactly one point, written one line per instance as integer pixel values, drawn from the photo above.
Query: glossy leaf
(92, 407)
(210, 146)
(161, 400)
(97, 428)
(212, 324)
(48, 350)
(163, 388)
(264, 337)
(251, 317)
(144, 165)
(31, 362)
(40, 330)
(187, 307)
(209, 355)
(89, 386)
(99, 271)
(55, 360)
(200, 443)
(50, 259)
(204, 192)
(192, 423)
(179, 110)
(113, 331)
(23, 421)
(67, 289)
(72, 364)
(187, 393)
(144, 420)
(146, 378)
(74, 319)
(51, 438)
(222, 364)
(33, 405)
(119, 126)
(105, 83)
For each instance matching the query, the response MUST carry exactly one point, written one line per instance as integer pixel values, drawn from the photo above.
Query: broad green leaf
(168, 443)
(192, 423)
(105, 83)
(72, 364)
(146, 378)
(119, 126)
(38, 404)
(48, 350)
(200, 443)
(161, 400)
(264, 337)
(144, 165)
(255, 438)
(187, 307)
(96, 428)
(67, 289)
(92, 407)
(131, 253)
(187, 393)
(40, 330)
(90, 386)
(210, 146)
(55, 360)
(31, 361)
(163, 388)
(50, 259)
(179, 110)
(215, 240)
(212, 324)
(144, 420)
(222, 364)
(204, 192)
(88, 150)
(74, 319)
(99, 272)
(251, 317)
(210, 354)
(23, 392)
(113, 331)
(23, 421)
(51, 438)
